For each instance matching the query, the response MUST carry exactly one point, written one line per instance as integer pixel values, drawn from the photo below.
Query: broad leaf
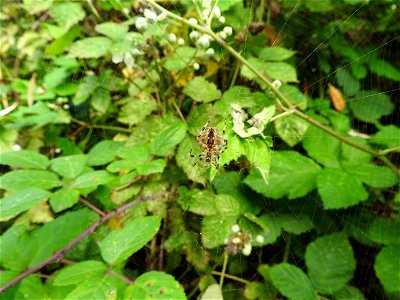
(92, 179)
(69, 166)
(276, 53)
(330, 262)
(67, 14)
(33, 178)
(382, 68)
(168, 139)
(375, 176)
(93, 47)
(31, 288)
(296, 223)
(103, 152)
(384, 231)
(73, 274)
(24, 159)
(388, 136)
(120, 244)
(213, 291)
(63, 198)
(291, 129)
(215, 229)
(387, 268)
(97, 287)
(200, 90)
(112, 30)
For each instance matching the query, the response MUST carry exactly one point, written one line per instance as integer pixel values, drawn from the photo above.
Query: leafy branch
(275, 90)
(59, 255)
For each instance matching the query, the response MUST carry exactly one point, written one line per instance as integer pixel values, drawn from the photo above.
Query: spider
(211, 144)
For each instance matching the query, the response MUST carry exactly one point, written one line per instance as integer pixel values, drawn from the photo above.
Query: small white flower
(125, 11)
(235, 228)
(181, 42)
(194, 35)
(150, 15)
(277, 84)
(226, 241)
(117, 58)
(57, 150)
(128, 60)
(193, 21)
(222, 35)
(196, 66)
(210, 51)
(259, 239)
(206, 12)
(228, 30)
(16, 147)
(246, 249)
(206, 3)
(172, 37)
(204, 41)
(221, 19)
(136, 52)
(217, 12)
(66, 106)
(141, 23)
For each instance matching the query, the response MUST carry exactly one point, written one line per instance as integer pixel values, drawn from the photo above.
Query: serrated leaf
(384, 231)
(73, 274)
(271, 228)
(101, 99)
(92, 47)
(388, 136)
(296, 223)
(20, 179)
(155, 284)
(375, 176)
(281, 71)
(103, 152)
(120, 244)
(300, 286)
(201, 90)
(291, 129)
(319, 6)
(349, 293)
(350, 85)
(67, 14)
(276, 53)
(69, 166)
(24, 159)
(97, 287)
(215, 229)
(136, 110)
(370, 106)
(92, 179)
(86, 87)
(339, 189)
(21, 201)
(155, 166)
(382, 68)
(291, 174)
(58, 46)
(330, 262)
(112, 30)
(63, 198)
(31, 288)
(168, 139)
(387, 268)
(202, 203)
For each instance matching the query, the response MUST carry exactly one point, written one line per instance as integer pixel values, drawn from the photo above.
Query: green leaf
(202, 203)
(382, 68)
(375, 176)
(69, 166)
(300, 286)
(284, 178)
(21, 200)
(213, 291)
(92, 179)
(20, 179)
(155, 285)
(120, 244)
(388, 136)
(330, 262)
(370, 106)
(184, 57)
(349, 293)
(86, 87)
(67, 14)
(103, 153)
(387, 268)
(101, 100)
(63, 198)
(92, 47)
(271, 228)
(139, 153)
(31, 288)
(291, 129)
(58, 46)
(24, 159)
(353, 157)
(350, 85)
(136, 110)
(384, 231)
(215, 229)
(112, 30)
(168, 139)
(319, 6)
(281, 71)
(97, 287)
(339, 189)
(74, 274)
(276, 53)
(201, 90)
(296, 223)
(55, 235)
(14, 255)
(155, 166)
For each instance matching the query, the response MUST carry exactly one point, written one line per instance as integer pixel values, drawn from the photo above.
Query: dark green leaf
(276, 53)
(384, 231)
(69, 166)
(31, 288)
(201, 90)
(349, 293)
(349, 85)
(387, 268)
(168, 139)
(34, 178)
(375, 176)
(271, 228)
(215, 229)
(24, 159)
(296, 223)
(58, 46)
(101, 99)
(63, 198)
(382, 68)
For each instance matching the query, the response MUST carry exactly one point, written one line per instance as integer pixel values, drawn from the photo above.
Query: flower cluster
(240, 242)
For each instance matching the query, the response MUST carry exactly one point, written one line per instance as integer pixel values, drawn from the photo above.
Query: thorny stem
(59, 255)
(221, 280)
(92, 207)
(275, 90)
(100, 126)
(238, 279)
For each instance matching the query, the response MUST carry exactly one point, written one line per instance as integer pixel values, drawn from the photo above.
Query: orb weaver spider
(212, 145)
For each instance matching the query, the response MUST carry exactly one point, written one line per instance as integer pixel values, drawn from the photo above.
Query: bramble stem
(238, 279)
(221, 280)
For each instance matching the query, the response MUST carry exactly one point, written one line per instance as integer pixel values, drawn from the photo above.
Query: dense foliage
(104, 195)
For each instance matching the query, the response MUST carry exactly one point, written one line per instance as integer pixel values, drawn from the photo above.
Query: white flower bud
(172, 37)
(206, 3)
(16, 147)
(277, 84)
(221, 19)
(204, 41)
(217, 12)
(228, 30)
(259, 239)
(57, 150)
(246, 249)
(206, 12)
(196, 66)
(194, 35)
(210, 51)
(141, 23)
(181, 42)
(222, 35)
(66, 106)
(235, 228)
(193, 21)
(117, 58)
(150, 15)
(136, 52)
(128, 60)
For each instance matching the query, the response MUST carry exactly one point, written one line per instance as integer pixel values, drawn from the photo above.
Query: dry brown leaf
(337, 98)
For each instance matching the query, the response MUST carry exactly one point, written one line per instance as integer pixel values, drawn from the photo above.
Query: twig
(238, 279)
(92, 207)
(59, 255)
(99, 126)
(119, 276)
(221, 280)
